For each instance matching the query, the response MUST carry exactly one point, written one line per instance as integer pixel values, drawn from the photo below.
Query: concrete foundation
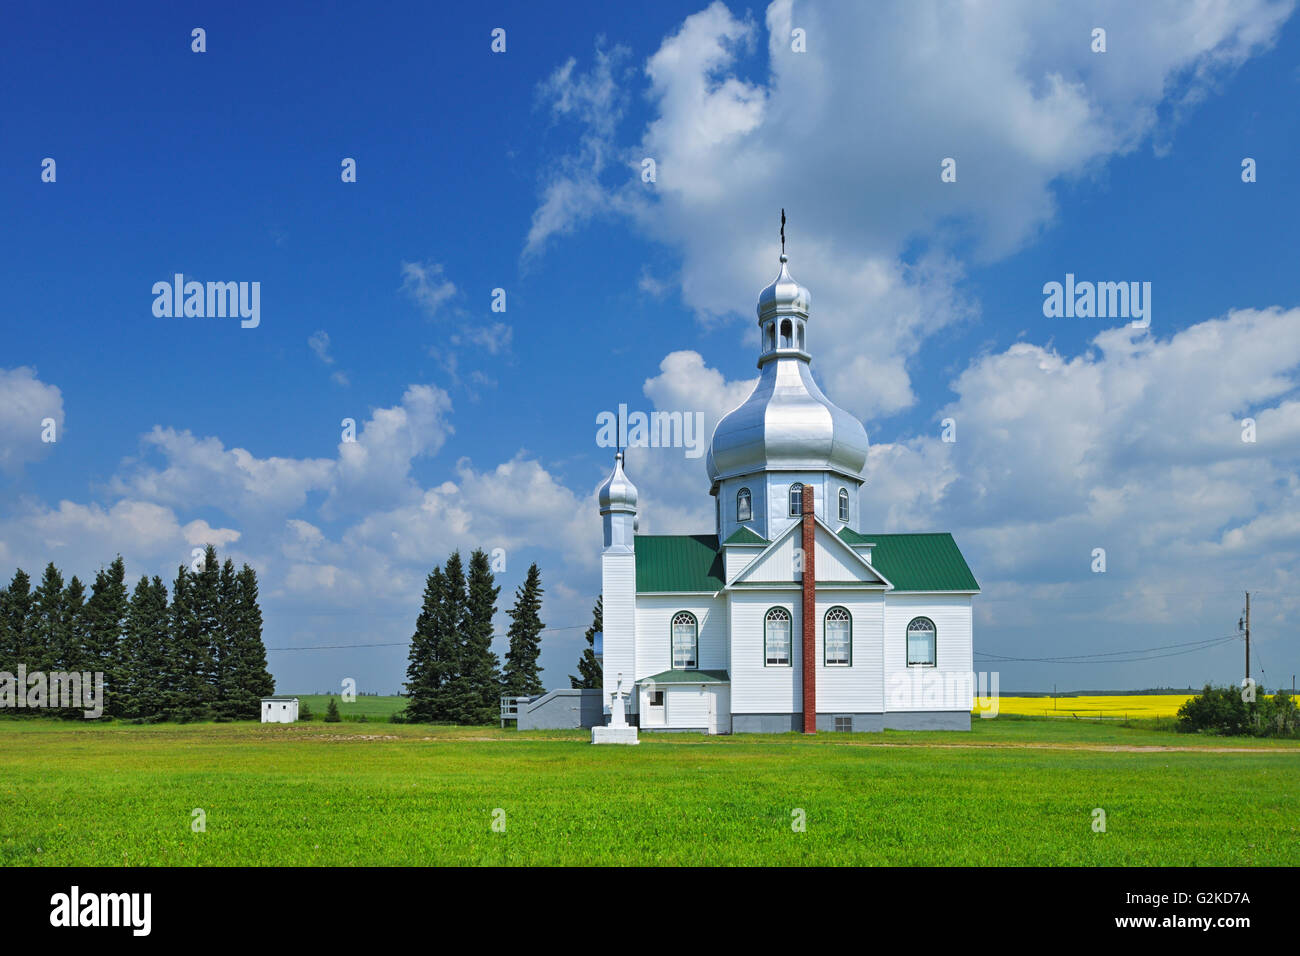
(861, 723)
(928, 720)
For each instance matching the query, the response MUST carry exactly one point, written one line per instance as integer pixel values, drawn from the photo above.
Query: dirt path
(923, 744)
(1099, 748)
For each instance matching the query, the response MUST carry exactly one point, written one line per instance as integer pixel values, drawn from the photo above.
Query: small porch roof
(688, 677)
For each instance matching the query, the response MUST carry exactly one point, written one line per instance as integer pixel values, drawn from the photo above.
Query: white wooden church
(789, 615)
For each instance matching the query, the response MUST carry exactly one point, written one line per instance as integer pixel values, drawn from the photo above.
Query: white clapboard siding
(618, 587)
(836, 561)
(739, 557)
(654, 638)
(777, 564)
(756, 688)
(947, 685)
(858, 688)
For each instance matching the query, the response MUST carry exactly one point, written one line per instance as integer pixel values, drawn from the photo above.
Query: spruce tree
(105, 619)
(131, 659)
(162, 687)
(473, 694)
(15, 614)
(210, 647)
(250, 678)
(589, 671)
(187, 662)
(73, 631)
(145, 669)
(332, 712)
(9, 637)
(229, 696)
(45, 645)
(522, 676)
(449, 641)
(425, 672)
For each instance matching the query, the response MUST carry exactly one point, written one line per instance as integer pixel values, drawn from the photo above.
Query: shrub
(304, 712)
(1216, 710)
(1223, 710)
(332, 712)
(1279, 716)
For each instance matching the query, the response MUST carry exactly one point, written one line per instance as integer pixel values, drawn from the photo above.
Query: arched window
(801, 336)
(776, 637)
(838, 637)
(785, 334)
(769, 335)
(744, 505)
(685, 641)
(920, 643)
(844, 504)
(796, 499)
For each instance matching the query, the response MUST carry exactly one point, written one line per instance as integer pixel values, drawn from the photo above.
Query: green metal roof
(743, 535)
(917, 562)
(678, 562)
(911, 562)
(688, 677)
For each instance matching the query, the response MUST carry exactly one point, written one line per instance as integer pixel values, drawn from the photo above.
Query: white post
(616, 714)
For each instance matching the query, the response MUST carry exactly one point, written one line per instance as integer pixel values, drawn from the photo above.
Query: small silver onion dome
(784, 296)
(617, 493)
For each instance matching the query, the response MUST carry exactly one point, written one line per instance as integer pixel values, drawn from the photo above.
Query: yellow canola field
(1134, 705)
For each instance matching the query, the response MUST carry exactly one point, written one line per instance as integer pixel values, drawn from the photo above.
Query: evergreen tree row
(452, 674)
(201, 656)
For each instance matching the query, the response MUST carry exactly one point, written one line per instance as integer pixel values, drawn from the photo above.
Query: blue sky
(521, 171)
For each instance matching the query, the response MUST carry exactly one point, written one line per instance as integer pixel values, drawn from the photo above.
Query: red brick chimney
(809, 545)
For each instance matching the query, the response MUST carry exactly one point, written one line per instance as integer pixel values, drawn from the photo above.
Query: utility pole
(1247, 635)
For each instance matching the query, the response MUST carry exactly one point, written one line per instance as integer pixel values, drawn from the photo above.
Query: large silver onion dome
(786, 423)
(617, 493)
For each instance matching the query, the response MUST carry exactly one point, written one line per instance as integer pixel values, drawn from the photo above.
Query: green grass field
(1013, 791)
(371, 708)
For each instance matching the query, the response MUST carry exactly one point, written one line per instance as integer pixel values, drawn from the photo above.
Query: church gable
(782, 562)
(836, 561)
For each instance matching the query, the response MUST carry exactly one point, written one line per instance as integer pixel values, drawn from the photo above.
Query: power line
(1110, 660)
(1131, 650)
(1140, 593)
(333, 647)
(1114, 657)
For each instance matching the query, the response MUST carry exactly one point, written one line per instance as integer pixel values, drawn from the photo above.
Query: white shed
(279, 710)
